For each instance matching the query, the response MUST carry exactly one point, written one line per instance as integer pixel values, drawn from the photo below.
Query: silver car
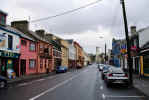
(116, 76)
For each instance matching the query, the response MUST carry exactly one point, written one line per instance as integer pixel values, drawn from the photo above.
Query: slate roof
(12, 30)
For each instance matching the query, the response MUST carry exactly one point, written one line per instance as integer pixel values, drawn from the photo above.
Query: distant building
(79, 55)
(72, 54)
(116, 52)
(98, 60)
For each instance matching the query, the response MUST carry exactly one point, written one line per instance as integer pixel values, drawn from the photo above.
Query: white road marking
(39, 80)
(53, 88)
(23, 84)
(101, 87)
(110, 96)
(103, 96)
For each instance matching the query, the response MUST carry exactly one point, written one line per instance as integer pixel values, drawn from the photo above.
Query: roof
(38, 37)
(70, 41)
(12, 30)
(3, 12)
(23, 35)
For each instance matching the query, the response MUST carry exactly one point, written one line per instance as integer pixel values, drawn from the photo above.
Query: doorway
(23, 67)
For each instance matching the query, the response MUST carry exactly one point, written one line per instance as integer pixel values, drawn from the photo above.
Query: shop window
(32, 46)
(32, 63)
(10, 42)
(23, 42)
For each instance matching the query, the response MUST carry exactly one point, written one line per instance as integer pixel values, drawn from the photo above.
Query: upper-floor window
(2, 20)
(32, 46)
(32, 63)
(10, 42)
(23, 42)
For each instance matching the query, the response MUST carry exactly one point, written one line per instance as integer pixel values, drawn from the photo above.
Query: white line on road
(101, 87)
(103, 96)
(53, 88)
(39, 80)
(110, 96)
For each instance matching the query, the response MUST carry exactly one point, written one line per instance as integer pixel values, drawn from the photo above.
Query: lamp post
(129, 60)
(101, 37)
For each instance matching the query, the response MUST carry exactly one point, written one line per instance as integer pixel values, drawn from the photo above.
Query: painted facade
(72, 54)
(79, 55)
(9, 48)
(28, 58)
(65, 51)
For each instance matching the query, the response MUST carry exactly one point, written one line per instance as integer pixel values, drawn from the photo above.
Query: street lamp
(101, 37)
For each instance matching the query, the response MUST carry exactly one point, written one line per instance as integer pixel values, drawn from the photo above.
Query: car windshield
(117, 70)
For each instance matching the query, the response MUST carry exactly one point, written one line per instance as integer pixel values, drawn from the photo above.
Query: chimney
(21, 25)
(40, 33)
(133, 30)
(49, 36)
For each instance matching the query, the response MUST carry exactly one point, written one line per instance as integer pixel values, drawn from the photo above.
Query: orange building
(79, 55)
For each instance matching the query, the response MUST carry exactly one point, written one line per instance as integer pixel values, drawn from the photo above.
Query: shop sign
(2, 40)
(9, 54)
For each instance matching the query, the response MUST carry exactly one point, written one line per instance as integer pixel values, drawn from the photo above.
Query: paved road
(85, 84)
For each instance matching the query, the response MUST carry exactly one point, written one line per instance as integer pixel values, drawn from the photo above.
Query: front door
(23, 67)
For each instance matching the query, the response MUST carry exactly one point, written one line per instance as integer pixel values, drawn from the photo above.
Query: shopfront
(9, 61)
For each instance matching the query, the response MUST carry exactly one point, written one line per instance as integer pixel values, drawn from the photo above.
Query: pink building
(28, 58)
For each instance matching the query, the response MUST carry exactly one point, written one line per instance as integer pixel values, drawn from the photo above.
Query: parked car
(104, 71)
(116, 76)
(100, 67)
(3, 82)
(61, 69)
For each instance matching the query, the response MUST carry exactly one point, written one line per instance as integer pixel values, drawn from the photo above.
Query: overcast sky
(84, 26)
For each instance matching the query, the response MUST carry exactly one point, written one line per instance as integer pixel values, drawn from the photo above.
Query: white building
(72, 54)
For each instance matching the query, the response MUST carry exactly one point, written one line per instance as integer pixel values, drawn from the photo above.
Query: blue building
(116, 52)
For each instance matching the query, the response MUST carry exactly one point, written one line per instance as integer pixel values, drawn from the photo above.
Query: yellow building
(65, 52)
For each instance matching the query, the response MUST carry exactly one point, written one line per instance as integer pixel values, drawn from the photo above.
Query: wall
(143, 37)
(26, 54)
(72, 52)
(65, 53)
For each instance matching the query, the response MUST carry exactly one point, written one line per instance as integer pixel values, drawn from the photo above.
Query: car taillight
(110, 75)
(126, 75)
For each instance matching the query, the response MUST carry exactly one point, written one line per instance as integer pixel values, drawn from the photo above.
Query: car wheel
(108, 84)
(102, 77)
(2, 84)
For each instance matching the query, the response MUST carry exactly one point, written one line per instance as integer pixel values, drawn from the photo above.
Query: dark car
(116, 76)
(104, 71)
(3, 82)
(61, 69)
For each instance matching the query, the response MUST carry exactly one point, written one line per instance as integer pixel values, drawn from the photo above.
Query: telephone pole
(129, 60)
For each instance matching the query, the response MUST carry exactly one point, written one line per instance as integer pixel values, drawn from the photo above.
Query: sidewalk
(29, 78)
(33, 77)
(141, 84)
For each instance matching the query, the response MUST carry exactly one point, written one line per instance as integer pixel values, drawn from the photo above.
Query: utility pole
(105, 53)
(129, 60)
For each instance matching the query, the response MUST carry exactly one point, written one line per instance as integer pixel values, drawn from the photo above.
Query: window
(10, 42)
(41, 63)
(2, 19)
(23, 42)
(32, 63)
(46, 50)
(32, 47)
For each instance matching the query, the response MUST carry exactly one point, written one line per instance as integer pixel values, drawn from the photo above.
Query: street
(84, 84)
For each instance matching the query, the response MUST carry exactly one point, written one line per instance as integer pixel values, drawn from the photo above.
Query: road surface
(84, 84)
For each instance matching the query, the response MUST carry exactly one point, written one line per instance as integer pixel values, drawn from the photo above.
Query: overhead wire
(66, 12)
